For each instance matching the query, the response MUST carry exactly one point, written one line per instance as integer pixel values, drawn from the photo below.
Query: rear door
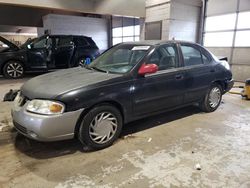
(200, 71)
(63, 51)
(38, 52)
(163, 89)
(82, 51)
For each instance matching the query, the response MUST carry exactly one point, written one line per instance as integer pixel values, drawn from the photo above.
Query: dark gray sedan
(128, 82)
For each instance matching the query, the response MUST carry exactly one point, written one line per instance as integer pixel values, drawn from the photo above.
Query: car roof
(158, 42)
(67, 36)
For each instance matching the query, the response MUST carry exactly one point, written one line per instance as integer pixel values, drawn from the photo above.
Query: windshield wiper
(100, 70)
(97, 69)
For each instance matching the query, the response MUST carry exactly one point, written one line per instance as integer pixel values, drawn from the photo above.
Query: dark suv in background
(45, 53)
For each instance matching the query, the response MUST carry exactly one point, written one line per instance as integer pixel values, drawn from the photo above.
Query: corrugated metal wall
(237, 52)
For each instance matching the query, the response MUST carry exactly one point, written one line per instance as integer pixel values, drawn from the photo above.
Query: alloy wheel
(14, 70)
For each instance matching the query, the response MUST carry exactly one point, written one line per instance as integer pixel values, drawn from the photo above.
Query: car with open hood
(130, 81)
(45, 53)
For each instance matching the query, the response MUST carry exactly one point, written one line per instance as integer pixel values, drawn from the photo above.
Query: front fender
(118, 94)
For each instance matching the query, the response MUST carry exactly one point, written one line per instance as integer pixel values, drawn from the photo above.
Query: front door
(38, 52)
(163, 89)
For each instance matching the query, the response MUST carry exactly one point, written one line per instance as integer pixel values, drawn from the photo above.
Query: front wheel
(100, 127)
(212, 99)
(13, 69)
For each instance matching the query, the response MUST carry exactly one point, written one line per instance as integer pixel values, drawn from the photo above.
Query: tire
(212, 99)
(13, 69)
(92, 133)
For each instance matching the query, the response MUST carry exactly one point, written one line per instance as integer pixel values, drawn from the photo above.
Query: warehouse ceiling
(30, 16)
(110, 7)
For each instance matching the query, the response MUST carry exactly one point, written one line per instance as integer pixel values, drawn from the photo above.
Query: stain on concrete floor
(218, 141)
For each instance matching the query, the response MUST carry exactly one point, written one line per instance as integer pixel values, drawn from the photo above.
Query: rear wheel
(212, 99)
(13, 69)
(100, 127)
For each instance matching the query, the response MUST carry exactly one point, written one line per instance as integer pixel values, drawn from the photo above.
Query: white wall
(185, 20)
(159, 11)
(97, 28)
(180, 18)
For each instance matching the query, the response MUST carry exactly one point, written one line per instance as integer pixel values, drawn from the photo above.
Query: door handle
(178, 76)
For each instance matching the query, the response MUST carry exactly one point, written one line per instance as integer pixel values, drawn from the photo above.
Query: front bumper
(44, 127)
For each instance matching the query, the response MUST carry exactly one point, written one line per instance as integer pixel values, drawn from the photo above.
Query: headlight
(45, 107)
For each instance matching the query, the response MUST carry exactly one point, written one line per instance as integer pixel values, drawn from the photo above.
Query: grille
(20, 128)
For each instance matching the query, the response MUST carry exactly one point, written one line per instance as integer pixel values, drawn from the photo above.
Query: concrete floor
(160, 151)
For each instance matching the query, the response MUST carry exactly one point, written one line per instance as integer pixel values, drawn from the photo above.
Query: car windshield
(120, 59)
(29, 41)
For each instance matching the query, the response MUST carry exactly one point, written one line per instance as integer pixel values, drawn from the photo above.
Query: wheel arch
(106, 102)
(12, 59)
(221, 84)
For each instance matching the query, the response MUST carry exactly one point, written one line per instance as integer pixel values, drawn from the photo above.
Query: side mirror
(148, 69)
(29, 46)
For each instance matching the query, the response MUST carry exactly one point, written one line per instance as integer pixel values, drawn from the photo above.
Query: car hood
(49, 86)
(10, 44)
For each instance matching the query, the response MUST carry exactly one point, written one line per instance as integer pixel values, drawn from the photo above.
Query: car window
(154, 58)
(64, 41)
(165, 57)
(42, 43)
(82, 42)
(205, 59)
(191, 55)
